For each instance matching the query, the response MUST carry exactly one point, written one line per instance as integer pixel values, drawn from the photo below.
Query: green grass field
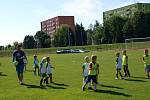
(68, 79)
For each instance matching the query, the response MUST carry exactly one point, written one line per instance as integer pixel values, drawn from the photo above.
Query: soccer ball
(15, 63)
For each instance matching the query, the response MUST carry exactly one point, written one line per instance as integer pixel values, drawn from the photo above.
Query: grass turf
(68, 79)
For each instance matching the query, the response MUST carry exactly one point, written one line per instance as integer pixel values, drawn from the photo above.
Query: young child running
(125, 64)
(118, 65)
(92, 73)
(36, 65)
(146, 60)
(85, 70)
(49, 70)
(43, 70)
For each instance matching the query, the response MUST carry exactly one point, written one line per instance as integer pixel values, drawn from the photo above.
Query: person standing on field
(146, 61)
(125, 64)
(118, 66)
(92, 74)
(18, 60)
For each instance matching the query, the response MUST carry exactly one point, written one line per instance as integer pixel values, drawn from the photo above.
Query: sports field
(68, 79)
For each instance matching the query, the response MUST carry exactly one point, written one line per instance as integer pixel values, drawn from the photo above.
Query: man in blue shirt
(18, 59)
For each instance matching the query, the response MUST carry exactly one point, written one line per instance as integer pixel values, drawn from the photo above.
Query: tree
(81, 35)
(137, 26)
(113, 29)
(62, 37)
(2, 47)
(29, 42)
(43, 39)
(95, 33)
(90, 34)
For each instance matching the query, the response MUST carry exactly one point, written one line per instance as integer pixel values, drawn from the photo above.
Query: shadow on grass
(59, 84)
(113, 93)
(1, 74)
(33, 86)
(55, 87)
(139, 77)
(111, 86)
(135, 80)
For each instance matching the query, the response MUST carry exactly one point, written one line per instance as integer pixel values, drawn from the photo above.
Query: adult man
(18, 60)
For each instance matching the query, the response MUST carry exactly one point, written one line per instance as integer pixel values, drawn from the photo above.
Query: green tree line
(113, 30)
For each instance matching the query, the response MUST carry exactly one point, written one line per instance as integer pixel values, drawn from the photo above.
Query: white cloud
(85, 11)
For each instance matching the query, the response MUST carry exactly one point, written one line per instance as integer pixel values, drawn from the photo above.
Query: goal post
(137, 43)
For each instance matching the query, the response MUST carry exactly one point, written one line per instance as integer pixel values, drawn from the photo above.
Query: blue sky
(22, 17)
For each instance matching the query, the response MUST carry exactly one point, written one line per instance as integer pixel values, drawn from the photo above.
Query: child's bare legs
(127, 71)
(35, 71)
(41, 81)
(121, 74)
(38, 71)
(116, 73)
(89, 84)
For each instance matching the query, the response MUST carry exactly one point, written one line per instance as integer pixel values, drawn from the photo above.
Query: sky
(19, 18)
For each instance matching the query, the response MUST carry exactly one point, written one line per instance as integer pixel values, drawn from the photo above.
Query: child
(48, 70)
(146, 60)
(118, 65)
(25, 63)
(42, 70)
(92, 73)
(125, 64)
(36, 65)
(85, 70)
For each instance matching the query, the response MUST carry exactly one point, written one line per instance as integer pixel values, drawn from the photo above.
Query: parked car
(78, 51)
(62, 51)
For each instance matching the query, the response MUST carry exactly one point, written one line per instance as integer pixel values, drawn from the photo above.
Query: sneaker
(116, 78)
(147, 77)
(122, 78)
(89, 88)
(21, 83)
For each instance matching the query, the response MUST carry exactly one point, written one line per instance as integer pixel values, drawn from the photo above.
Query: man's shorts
(20, 68)
(91, 77)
